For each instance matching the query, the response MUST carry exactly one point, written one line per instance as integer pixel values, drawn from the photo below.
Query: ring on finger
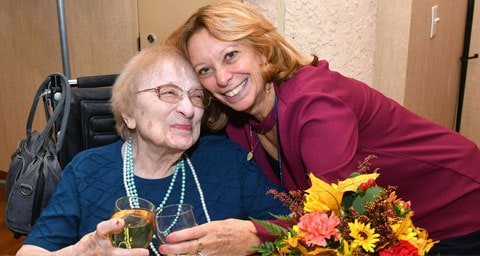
(199, 248)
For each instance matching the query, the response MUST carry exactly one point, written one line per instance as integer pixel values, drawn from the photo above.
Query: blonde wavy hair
(231, 20)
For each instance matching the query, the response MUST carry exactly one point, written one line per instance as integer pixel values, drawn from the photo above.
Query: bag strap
(63, 106)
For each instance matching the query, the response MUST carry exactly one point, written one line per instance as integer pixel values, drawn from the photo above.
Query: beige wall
(342, 32)
(391, 48)
(383, 43)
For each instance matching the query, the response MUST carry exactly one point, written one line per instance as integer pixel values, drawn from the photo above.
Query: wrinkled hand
(98, 242)
(224, 237)
(94, 243)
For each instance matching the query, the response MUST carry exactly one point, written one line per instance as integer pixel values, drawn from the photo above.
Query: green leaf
(354, 174)
(272, 228)
(267, 248)
(347, 199)
(284, 217)
(362, 198)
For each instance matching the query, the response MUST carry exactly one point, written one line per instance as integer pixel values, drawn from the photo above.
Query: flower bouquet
(352, 217)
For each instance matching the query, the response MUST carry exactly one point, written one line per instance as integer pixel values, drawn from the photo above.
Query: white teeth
(236, 90)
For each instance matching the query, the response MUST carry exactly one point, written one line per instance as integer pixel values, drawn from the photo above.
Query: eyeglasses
(173, 94)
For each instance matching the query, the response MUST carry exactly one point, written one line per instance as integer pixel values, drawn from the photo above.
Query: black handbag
(35, 170)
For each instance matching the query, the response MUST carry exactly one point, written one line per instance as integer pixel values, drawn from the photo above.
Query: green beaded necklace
(131, 189)
(129, 182)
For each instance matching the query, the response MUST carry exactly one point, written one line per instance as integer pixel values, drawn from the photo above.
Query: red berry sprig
(371, 183)
(365, 185)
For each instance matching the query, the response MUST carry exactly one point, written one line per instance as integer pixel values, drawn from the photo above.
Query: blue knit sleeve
(84, 196)
(58, 224)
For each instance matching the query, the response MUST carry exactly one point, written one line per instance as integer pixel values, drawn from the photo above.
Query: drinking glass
(172, 218)
(139, 216)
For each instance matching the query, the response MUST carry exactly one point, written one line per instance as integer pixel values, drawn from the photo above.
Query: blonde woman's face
(229, 70)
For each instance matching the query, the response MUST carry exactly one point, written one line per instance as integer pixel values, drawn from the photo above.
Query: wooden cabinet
(102, 37)
(27, 36)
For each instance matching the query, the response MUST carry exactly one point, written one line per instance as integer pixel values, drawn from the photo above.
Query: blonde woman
(295, 116)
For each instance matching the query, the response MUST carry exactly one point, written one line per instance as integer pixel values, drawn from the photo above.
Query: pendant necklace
(255, 127)
(131, 190)
(253, 139)
(266, 125)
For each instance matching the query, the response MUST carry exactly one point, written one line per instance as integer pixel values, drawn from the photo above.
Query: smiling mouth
(183, 127)
(237, 89)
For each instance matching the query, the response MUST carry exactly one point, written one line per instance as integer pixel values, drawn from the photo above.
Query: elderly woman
(158, 104)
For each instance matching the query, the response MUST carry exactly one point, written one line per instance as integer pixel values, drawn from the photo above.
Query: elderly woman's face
(163, 122)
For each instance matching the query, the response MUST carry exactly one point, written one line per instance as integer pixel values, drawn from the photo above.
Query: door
(157, 19)
(470, 122)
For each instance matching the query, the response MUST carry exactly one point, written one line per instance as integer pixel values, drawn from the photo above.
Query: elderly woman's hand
(94, 243)
(223, 237)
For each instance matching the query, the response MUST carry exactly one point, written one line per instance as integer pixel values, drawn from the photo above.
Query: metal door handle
(464, 59)
(151, 38)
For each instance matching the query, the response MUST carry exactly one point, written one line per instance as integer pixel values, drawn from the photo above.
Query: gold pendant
(249, 156)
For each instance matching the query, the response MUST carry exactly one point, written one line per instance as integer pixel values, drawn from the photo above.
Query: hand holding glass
(172, 218)
(139, 216)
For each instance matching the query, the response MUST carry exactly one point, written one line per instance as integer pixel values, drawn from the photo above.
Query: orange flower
(318, 227)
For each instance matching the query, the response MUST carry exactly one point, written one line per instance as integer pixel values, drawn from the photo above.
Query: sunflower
(363, 236)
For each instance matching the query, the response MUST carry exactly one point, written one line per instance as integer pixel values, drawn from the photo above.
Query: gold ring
(199, 249)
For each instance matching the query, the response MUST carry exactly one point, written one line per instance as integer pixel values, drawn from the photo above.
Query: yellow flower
(363, 235)
(323, 197)
(405, 230)
(345, 249)
(291, 241)
(423, 243)
(418, 237)
(322, 251)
